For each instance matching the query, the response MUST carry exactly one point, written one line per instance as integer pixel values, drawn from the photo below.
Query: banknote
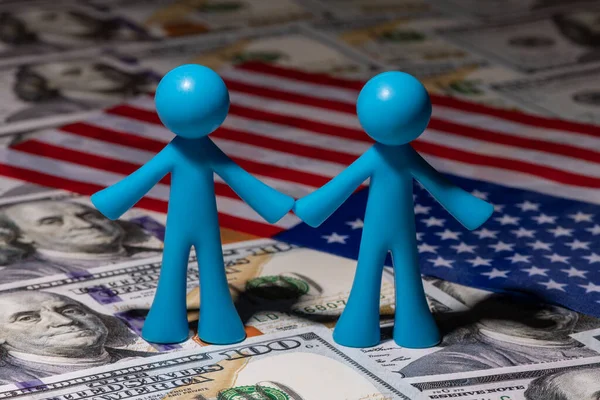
(573, 94)
(474, 82)
(535, 44)
(408, 44)
(299, 365)
(345, 9)
(502, 9)
(484, 331)
(191, 17)
(291, 45)
(566, 380)
(46, 232)
(43, 27)
(58, 90)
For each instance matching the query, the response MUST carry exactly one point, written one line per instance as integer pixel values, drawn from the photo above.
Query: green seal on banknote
(274, 287)
(253, 392)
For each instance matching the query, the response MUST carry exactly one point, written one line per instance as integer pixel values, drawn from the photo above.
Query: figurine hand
(103, 203)
(479, 212)
(279, 205)
(305, 209)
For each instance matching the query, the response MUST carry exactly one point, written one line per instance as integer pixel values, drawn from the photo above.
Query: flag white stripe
(95, 176)
(563, 163)
(139, 157)
(513, 179)
(514, 128)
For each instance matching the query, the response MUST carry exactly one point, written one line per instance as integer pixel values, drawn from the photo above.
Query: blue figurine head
(393, 108)
(192, 101)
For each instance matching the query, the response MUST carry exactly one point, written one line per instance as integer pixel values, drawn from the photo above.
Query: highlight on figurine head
(192, 100)
(393, 108)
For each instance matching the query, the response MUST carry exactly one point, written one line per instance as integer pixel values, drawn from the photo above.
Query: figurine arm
(469, 210)
(266, 201)
(115, 200)
(317, 206)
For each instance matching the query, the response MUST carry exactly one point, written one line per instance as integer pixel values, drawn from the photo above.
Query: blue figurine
(192, 101)
(393, 108)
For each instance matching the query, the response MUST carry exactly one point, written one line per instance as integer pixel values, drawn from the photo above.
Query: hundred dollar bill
(572, 94)
(43, 27)
(408, 44)
(486, 331)
(292, 45)
(474, 82)
(567, 380)
(501, 9)
(536, 43)
(299, 365)
(57, 90)
(345, 9)
(46, 232)
(190, 17)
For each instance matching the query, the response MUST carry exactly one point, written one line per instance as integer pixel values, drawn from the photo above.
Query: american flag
(296, 130)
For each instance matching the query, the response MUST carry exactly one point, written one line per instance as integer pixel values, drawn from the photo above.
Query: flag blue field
(534, 244)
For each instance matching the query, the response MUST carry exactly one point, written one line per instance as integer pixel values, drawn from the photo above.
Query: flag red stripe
(516, 116)
(549, 173)
(138, 142)
(447, 127)
(297, 98)
(284, 146)
(100, 162)
(87, 189)
(298, 75)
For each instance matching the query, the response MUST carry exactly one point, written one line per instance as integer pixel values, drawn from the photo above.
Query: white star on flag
(592, 258)
(433, 221)
(335, 238)
(576, 244)
(501, 246)
(537, 245)
(558, 258)
(522, 232)
(464, 248)
(448, 234)
(595, 230)
(484, 233)
(551, 284)
(528, 206)
(425, 248)
(481, 195)
(419, 209)
(508, 220)
(478, 261)
(441, 262)
(494, 273)
(581, 217)
(560, 231)
(356, 224)
(590, 287)
(535, 271)
(498, 207)
(544, 219)
(515, 258)
(572, 272)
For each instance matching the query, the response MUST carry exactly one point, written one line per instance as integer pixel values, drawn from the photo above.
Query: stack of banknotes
(75, 287)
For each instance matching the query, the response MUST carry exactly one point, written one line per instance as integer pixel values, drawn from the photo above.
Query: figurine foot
(420, 334)
(165, 330)
(221, 330)
(352, 330)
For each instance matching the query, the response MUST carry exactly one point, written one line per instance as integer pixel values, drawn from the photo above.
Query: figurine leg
(167, 320)
(219, 321)
(414, 325)
(358, 325)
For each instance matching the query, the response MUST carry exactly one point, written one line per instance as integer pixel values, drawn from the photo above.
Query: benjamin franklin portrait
(44, 334)
(572, 384)
(46, 237)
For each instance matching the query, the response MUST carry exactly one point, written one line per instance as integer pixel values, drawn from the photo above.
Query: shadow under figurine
(393, 108)
(192, 101)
